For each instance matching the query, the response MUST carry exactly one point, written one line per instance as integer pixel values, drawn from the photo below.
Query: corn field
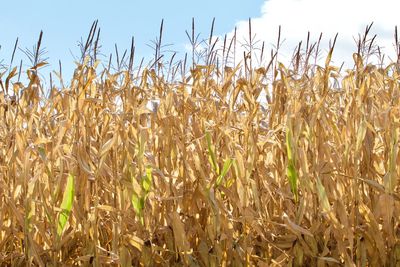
(208, 175)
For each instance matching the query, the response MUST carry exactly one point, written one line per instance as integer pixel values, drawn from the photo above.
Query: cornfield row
(208, 177)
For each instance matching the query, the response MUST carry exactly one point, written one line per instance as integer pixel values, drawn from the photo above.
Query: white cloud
(348, 18)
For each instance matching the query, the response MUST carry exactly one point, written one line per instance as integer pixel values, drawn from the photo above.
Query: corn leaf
(323, 198)
(147, 179)
(211, 152)
(225, 169)
(292, 176)
(66, 205)
(291, 170)
(138, 206)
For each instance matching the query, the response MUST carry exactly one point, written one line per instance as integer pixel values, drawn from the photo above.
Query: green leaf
(138, 203)
(225, 169)
(292, 176)
(147, 179)
(138, 206)
(211, 152)
(291, 169)
(289, 144)
(66, 205)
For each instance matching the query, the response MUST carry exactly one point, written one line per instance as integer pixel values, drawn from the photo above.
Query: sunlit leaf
(225, 169)
(291, 170)
(147, 179)
(292, 176)
(66, 204)
(211, 152)
(323, 198)
(138, 206)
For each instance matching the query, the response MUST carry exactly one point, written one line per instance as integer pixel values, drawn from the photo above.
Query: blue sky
(65, 22)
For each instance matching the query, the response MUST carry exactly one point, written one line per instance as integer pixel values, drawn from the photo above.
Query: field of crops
(201, 164)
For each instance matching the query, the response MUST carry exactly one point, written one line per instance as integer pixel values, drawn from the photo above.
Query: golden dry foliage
(90, 175)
